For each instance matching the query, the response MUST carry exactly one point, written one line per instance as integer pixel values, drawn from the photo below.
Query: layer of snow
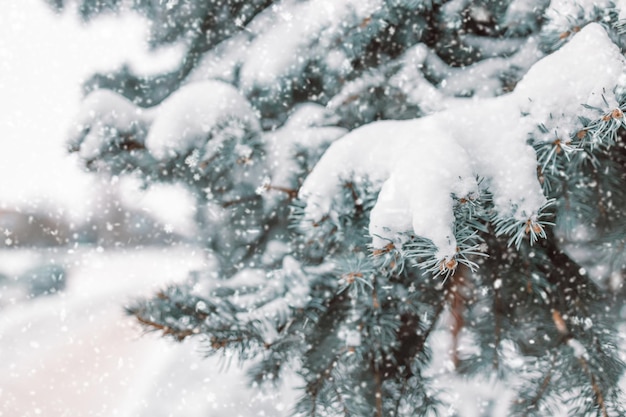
(304, 130)
(482, 79)
(102, 116)
(76, 354)
(520, 10)
(410, 80)
(562, 15)
(280, 51)
(621, 6)
(585, 70)
(186, 119)
(421, 163)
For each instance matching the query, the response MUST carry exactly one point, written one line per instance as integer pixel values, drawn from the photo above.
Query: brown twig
(497, 302)
(357, 204)
(386, 249)
(457, 302)
(379, 392)
(375, 301)
(314, 388)
(291, 193)
(594, 386)
(545, 383)
(179, 335)
(561, 326)
(241, 200)
(218, 344)
(346, 412)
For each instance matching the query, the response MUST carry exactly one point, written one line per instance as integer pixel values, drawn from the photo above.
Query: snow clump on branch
(420, 164)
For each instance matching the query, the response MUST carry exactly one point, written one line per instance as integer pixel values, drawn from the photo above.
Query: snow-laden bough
(420, 164)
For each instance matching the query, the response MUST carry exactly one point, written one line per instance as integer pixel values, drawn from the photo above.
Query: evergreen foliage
(319, 265)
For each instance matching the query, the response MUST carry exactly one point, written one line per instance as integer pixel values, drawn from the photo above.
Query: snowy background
(44, 58)
(75, 353)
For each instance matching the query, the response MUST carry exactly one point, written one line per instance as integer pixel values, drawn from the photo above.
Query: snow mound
(279, 52)
(187, 119)
(104, 117)
(563, 15)
(420, 164)
(303, 132)
(581, 72)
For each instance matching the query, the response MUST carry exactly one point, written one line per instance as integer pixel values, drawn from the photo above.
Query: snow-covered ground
(77, 354)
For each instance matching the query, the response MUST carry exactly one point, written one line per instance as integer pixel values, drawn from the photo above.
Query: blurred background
(74, 248)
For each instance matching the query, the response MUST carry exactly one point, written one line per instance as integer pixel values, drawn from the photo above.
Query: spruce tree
(369, 173)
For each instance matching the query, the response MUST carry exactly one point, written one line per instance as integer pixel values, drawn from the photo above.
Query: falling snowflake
(265, 185)
(192, 160)
(171, 4)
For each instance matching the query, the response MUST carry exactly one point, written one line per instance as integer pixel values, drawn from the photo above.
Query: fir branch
(396, 410)
(341, 400)
(543, 387)
(358, 202)
(178, 334)
(599, 397)
(378, 393)
(241, 200)
(375, 301)
(292, 194)
(313, 388)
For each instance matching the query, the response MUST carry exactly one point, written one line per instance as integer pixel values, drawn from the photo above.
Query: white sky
(43, 59)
